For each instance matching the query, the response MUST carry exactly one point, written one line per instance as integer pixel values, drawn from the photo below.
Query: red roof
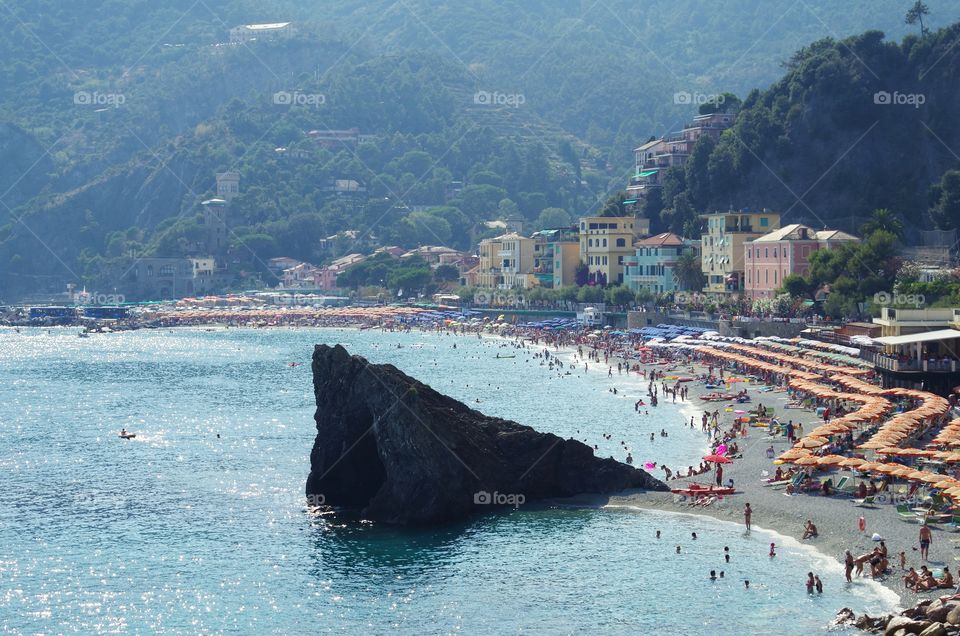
(660, 240)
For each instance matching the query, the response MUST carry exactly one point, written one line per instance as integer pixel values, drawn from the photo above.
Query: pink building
(772, 257)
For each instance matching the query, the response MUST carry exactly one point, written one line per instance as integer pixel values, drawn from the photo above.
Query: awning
(648, 173)
(629, 201)
(928, 336)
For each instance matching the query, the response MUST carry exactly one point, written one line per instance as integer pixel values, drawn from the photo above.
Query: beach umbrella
(718, 459)
(794, 453)
(808, 460)
(812, 442)
(946, 484)
(831, 460)
(852, 462)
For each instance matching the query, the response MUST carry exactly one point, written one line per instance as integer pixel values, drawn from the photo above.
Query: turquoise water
(181, 531)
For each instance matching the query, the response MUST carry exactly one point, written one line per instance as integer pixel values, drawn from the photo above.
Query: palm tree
(689, 271)
(915, 14)
(883, 219)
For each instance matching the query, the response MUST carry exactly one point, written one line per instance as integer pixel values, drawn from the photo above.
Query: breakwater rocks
(392, 449)
(926, 618)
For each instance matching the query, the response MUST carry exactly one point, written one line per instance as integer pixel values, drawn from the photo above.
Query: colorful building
(653, 265)
(556, 254)
(605, 243)
(722, 246)
(506, 262)
(655, 157)
(768, 259)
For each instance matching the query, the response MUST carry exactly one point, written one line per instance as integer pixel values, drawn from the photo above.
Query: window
(766, 252)
(749, 253)
(621, 242)
(604, 242)
(764, 221)
(774, 277)
(589, 242)
(604, 260)
(774, 252)
(620, 260)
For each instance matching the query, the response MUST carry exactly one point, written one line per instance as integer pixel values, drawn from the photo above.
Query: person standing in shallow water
(747, 513)
(848, 566)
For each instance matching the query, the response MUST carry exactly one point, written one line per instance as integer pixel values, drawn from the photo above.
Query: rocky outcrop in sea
(392, 449)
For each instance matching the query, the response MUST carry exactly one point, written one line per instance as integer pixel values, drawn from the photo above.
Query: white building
(249, 32)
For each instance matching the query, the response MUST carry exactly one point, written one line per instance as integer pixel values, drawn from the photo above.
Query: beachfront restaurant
(928, 360)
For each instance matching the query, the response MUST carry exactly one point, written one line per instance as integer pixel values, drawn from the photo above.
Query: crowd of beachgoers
(872, 466)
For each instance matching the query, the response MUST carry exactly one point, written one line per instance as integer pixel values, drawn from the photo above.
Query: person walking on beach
(719, 475)
(747, 512)
(926, 537)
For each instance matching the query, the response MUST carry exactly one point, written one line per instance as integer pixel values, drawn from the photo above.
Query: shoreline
(836, 518)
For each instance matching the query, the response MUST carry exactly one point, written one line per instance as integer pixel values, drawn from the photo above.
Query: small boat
(500, 357)
(127, 435)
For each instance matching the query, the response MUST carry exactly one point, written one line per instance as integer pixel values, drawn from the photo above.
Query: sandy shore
(836, 517)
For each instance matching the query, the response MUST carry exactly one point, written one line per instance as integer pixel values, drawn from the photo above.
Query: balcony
(896, 364)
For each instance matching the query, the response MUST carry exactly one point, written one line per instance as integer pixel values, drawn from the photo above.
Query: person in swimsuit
(926, 537)
(848, 566)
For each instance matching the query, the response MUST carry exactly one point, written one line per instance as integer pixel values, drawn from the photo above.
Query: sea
(199, 523)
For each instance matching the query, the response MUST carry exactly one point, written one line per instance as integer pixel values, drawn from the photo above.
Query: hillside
(853, 126)
(115, 116)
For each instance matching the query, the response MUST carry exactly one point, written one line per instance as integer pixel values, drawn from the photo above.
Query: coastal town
(416, 320)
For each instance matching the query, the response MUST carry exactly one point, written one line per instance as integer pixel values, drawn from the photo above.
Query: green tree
(689, 271)
(915, 14)
(945, 210)
(883, 219)
(620, 295)
(553, 218)
(590, 294)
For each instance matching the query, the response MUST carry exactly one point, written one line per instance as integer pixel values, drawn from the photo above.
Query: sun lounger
(905, 514)
(866, 502)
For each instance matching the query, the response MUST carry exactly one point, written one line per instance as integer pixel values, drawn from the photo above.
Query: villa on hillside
(251, 32)
(769, 259)
(655, 157)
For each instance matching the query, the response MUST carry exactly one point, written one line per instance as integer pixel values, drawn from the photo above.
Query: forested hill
(115, 115)
(851, 127)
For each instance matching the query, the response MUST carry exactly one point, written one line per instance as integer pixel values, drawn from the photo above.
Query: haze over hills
(115, 116)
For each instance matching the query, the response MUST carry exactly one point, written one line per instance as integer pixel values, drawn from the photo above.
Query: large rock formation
(395, 450)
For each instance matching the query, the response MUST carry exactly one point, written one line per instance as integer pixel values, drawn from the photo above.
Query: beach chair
(905, 514)
(953, 525)
(866, 502)
(841, 483)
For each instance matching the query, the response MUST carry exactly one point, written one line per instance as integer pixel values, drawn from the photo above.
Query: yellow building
(605, 242)
(722, 246)
(506, 262)
(556, 254)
